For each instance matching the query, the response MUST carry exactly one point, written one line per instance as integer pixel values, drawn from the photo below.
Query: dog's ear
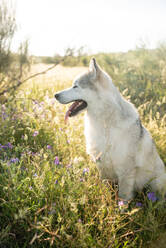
(94, 68)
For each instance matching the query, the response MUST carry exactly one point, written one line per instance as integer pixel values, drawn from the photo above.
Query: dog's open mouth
(75, 108)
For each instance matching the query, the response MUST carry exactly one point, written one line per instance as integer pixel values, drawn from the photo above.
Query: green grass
(50, 191)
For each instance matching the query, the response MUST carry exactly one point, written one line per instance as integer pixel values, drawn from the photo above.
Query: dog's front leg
(126, 185)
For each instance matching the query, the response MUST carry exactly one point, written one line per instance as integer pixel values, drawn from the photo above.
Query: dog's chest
(106, 143)
(97, 137)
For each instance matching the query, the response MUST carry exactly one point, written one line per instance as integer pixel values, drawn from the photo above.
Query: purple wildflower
(121, 203)
(10, 146)
(3, 146)
(4, 115)
(138, 204)
(56, 161)
(49, 147)
(56, 182)
(35, 102)
(85, 170)
(35, 133)
(35, 175)
(151, 196)
(14, 160)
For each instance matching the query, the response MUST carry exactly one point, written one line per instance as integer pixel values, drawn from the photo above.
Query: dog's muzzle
(57, 96)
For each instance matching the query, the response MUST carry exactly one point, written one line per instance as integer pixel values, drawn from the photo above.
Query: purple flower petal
(151, 196)
(120, 203)
(49, 147)
(85, 170)
(10, 146)
(35, 133)
(14, 160)
(138, 204)
(56, 161)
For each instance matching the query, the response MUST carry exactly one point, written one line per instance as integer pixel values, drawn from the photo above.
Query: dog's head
(85, 90)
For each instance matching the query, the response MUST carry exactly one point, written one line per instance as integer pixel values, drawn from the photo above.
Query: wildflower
(10, 146)
(56, 161)
(49, 147)
(35, 101)
(121, 203)
(3, 147)
(152, 197)
(35, 133)
(4, 116)
(138, 204)
(14, 160)
(56, 182)
(35, 175)
(79, 221)
(85, 170)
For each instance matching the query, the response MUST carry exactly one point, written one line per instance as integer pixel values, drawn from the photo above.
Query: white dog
(121, 146)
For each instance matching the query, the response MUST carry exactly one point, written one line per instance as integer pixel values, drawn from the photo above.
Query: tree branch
(19, 82)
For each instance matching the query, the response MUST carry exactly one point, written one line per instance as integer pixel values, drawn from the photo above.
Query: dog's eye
(75, 86)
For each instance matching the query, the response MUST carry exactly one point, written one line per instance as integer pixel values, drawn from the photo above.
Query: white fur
(122, 148)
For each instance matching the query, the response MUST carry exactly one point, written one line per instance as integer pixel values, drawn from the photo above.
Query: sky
(51, 26)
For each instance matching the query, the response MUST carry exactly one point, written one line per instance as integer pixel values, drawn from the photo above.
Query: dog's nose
(57, 96)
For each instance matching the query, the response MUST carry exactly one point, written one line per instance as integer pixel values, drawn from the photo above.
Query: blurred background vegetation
(13, 66)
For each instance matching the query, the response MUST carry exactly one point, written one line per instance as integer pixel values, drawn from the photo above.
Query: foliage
(12, 66)
(7, 30)
(50, 191)
(72, 57)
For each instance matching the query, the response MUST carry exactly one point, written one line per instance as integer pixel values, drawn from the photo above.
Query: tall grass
(50, 191)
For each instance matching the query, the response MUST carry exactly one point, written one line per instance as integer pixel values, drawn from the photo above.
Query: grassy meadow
(50, 191)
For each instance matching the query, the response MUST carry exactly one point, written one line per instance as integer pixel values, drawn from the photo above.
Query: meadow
(50, 191)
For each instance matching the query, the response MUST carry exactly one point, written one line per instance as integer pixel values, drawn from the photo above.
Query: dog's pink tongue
(67, 116)
(69, 111)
